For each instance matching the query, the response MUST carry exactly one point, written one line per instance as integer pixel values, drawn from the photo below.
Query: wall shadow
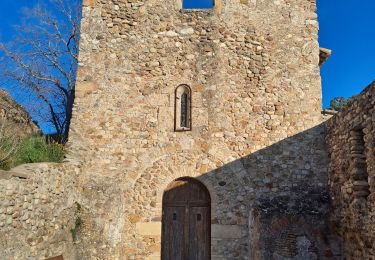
(279, 198)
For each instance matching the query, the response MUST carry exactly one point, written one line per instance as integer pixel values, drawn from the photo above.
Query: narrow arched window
(182, 108)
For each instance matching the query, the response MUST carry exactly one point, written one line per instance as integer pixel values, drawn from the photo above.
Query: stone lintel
(226, 231)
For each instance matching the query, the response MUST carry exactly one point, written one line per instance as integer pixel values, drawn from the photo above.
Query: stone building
(196, 134)
(223, 103)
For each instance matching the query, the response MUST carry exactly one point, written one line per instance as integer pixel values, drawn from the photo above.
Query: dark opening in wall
(182, 108)
(358, 164)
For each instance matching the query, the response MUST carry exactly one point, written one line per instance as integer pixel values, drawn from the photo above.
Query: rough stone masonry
(257, 141)
(350, 141)
(253, 68)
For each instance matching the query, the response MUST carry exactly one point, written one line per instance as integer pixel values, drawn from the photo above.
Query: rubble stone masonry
(253, 69)
(37, 211)
(256, 141)
(351, 139)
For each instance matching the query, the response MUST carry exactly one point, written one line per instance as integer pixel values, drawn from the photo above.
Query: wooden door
(186, 221)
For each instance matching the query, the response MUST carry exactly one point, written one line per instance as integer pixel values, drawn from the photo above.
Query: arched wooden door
(186, 223)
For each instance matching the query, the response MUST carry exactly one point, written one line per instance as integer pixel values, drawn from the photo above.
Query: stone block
(148, 228)
(226, 231)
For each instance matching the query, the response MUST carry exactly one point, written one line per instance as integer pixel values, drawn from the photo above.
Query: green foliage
(33, 149)
(74, 230)
(77, 222)
(338, 103)
(36, 149)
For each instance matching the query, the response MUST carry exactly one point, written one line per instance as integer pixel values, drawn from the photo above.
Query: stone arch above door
(204, 181)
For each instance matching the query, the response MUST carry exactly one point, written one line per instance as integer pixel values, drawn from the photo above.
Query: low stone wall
(351, 139)
(37, 211)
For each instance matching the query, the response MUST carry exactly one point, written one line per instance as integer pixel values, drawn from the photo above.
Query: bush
(32, 149)
(35, 149)
(338, 103)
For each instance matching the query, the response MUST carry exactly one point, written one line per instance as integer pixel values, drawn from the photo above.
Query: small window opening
(182, 108)
(358, 167)
(174, 216)
(198, 4)
(199, 217)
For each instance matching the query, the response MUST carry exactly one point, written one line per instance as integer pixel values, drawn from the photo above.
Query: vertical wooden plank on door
(199, 244)
(173, 233)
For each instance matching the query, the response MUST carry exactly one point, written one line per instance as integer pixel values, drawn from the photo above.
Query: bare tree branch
(42, 61)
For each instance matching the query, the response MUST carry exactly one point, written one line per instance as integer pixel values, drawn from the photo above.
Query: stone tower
(216, 108)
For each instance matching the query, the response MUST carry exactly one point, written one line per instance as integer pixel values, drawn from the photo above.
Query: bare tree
(41, 62)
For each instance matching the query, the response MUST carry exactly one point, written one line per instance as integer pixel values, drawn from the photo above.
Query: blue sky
(197, 3)
(347, 27)
(10, 14)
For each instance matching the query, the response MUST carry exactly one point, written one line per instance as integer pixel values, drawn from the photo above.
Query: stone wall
(37, 211)
(351, 142)
(294, 226)
(253, 67)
